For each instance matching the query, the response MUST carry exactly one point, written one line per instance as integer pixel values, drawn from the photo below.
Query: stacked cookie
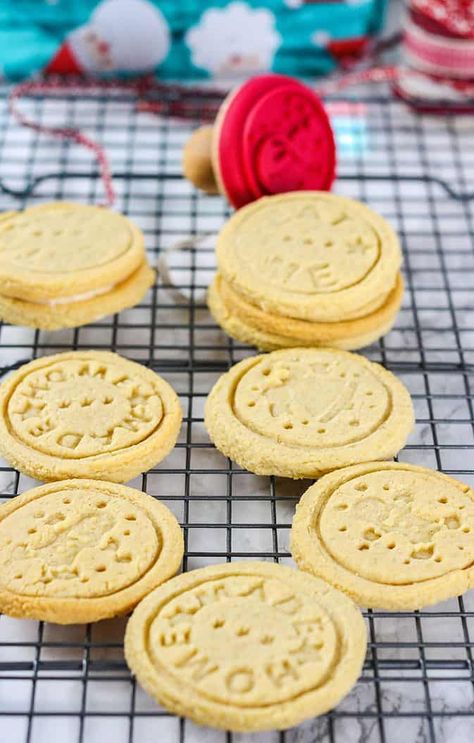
(63, 265)
(307, 269)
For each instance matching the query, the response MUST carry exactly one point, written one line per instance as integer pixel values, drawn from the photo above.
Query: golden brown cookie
(310, 256)
(391, 535)
(304, 411)
(246, 646)
(63, 264)
(87, 414)
(82, 550)
(250, 324)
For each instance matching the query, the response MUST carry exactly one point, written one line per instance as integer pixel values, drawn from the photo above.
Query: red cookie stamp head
(271, 135)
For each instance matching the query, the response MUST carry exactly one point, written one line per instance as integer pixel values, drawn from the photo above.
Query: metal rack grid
(71, 683)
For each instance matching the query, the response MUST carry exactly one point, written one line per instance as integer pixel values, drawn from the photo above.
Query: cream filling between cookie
(79, 297)
(75, 297)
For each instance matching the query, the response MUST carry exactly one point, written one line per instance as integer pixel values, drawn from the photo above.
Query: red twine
(373, 75)
(178, 105)
(61, 132)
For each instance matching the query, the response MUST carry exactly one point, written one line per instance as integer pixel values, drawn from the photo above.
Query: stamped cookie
(310, 256)
(304, 411)
(64, 264)
(87, 414)
(83, 550)
(392, 536)
(246, 646)
(250, 324)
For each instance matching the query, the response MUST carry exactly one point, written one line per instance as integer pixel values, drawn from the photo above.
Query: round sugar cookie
(63, 249)
(391, 535)
(246, 646)
(250, 324)
(301, 412)
(310, 255)
(82, 550)
(87, 414)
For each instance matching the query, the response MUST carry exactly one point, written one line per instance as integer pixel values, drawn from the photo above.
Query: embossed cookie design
(306, 269)
(83, 550)
(302, 412)
(392, 536)
(64, 264)
(246, 646)
(87, 414)
(310, 256)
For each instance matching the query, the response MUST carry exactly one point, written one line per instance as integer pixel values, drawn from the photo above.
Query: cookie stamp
(246, 646)
(82, 550)
(393, 536)
(87, 413)
(271, 135)
(300, 412)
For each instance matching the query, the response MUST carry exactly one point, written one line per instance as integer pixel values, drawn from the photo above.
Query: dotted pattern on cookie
(256, 640)
(323, 399)
(76, 543)
(398, 530)
(246, 646)
(309, 255)
(79, 408)
(307, 246)
(300, 412)
(41, 239)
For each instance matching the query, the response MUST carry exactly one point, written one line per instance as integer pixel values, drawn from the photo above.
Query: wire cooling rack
(71, 683)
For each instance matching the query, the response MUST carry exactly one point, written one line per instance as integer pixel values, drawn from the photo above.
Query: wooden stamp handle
(197, 163)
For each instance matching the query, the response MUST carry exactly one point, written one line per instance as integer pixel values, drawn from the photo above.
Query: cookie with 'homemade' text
(246, 646)
(87, 414)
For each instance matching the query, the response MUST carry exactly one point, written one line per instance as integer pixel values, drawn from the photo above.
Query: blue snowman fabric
(185, 39)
